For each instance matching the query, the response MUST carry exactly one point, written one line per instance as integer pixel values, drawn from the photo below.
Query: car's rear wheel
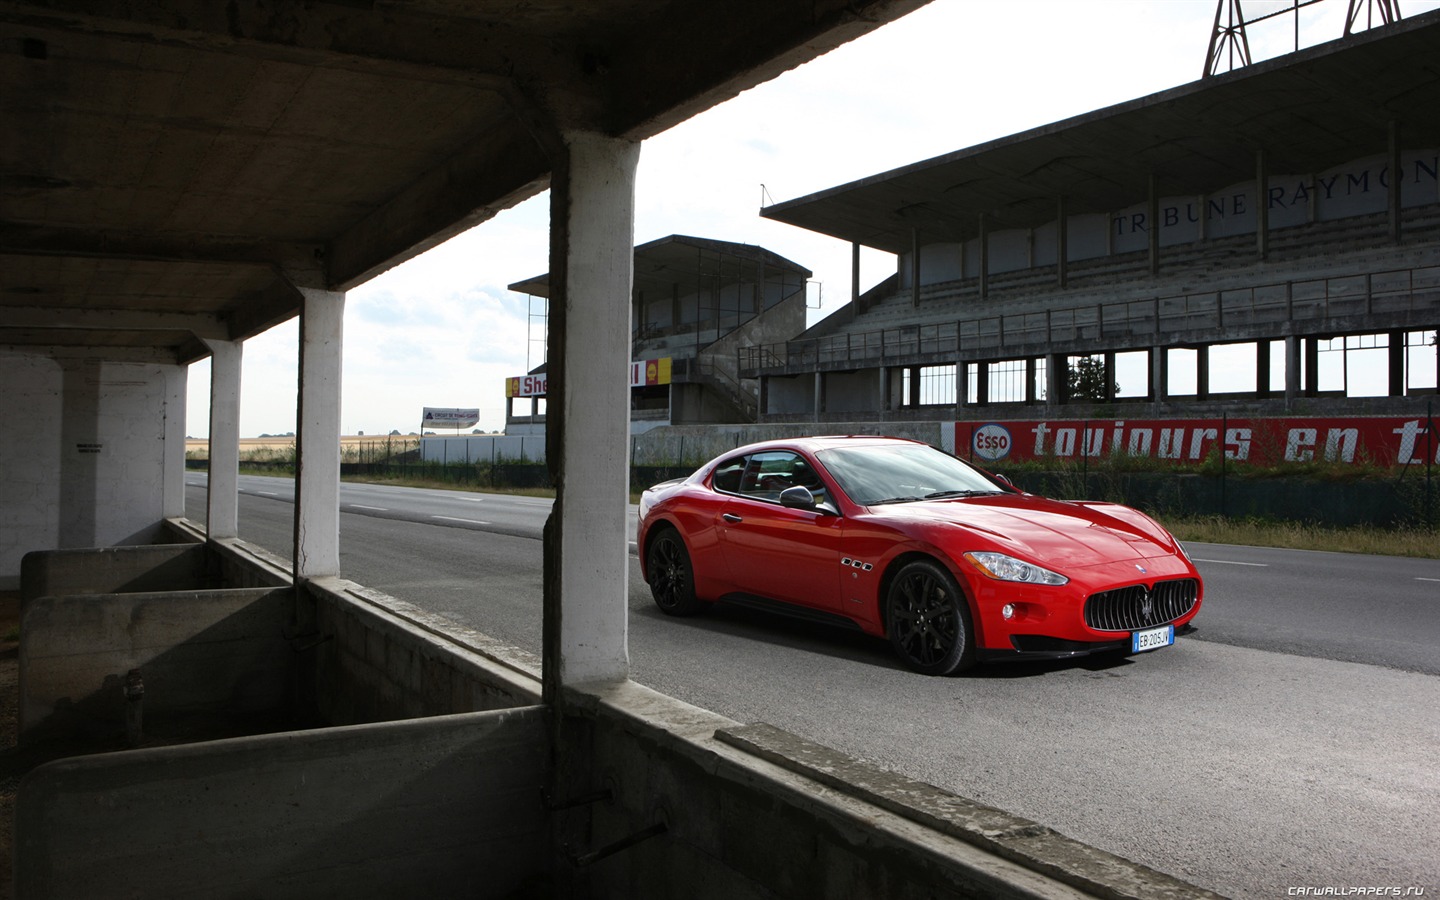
(928, 620)
(672, 578)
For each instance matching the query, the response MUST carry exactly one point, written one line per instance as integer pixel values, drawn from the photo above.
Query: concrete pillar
(592, 262)
(819, 403)
(1396, 358)
(883, 402)
(1159, 390)
(172, 504)
(317, 430)
(914, 268)
(1262, 206)
(984, 283)
(1392, 190)
(222, 498)
(854, 281)
(1062, 241)
(1152, 220)
(1292, 368)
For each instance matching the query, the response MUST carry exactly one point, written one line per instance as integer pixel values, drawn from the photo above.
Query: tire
(928, 620)
(672, 577)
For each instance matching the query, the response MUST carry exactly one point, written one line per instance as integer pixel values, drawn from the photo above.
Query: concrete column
(173, 502)
(592, 262)
(1397, 363)
(1292, 368)
(883, 403)
(1152, 219)
(317, 430)
(1392, 190)
(819, 404)
(854, 280)
(914, 268)
(1159, 389)
(1062, 241)
(1262, 205)
(222, 498)
(984, 229)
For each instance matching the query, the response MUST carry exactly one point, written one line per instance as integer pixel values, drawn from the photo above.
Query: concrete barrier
(199, 653)
(114, 570)
(378, 658)
(443, 807)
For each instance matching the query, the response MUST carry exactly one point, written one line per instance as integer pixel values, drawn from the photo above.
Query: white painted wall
(83, 459)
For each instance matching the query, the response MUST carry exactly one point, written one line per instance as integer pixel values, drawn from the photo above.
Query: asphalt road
(1290, 743)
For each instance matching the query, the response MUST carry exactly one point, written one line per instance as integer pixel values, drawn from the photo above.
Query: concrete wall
(739, 812)
(200, 653)
(442, 807)
(84, 461)
(115, 570)
(483, 448)
(631, 794)
(852, 391)
(29, 458)
(376, 658)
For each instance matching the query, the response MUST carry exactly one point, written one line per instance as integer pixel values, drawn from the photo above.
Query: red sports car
(899, 539)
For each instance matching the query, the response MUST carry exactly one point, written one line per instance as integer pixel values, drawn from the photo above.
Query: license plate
(1152, 639)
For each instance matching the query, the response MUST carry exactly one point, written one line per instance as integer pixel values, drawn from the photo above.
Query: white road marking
(1428, 579)
(453, 519)
(376, 508)
(1231, 562)
(267, 493)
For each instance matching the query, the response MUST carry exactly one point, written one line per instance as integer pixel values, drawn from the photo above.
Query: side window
(762, 476)
(727, 475)
(771, 472)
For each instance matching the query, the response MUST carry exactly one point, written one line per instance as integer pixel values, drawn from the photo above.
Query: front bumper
(1038, 646)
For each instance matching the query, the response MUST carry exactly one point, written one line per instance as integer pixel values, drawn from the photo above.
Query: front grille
(1129, 608)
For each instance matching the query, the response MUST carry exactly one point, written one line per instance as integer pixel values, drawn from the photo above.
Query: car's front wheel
(928, 620)
(672, 578)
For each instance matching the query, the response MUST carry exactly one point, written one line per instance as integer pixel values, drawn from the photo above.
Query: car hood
(1052, 533)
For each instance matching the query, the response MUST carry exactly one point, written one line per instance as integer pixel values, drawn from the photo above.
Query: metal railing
(1388, 293)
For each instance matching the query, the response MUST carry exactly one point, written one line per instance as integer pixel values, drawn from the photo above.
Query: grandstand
(1169, 278)
(697, 305)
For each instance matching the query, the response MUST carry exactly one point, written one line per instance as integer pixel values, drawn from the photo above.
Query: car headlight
(1008, 568)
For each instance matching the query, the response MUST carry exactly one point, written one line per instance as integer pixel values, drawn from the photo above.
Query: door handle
(731, 518)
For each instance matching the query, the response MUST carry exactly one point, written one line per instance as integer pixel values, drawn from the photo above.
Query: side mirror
(797, 497)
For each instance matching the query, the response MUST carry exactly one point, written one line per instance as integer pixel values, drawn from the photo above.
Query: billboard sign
(643, 373)
(1382, 441)
(449, 417)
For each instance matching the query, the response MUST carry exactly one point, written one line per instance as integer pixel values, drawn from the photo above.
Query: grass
(1414, 542)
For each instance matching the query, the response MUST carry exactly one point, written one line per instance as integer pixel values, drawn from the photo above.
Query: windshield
(902, 473)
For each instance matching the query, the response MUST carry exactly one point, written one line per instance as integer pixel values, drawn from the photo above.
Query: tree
(1085, 380)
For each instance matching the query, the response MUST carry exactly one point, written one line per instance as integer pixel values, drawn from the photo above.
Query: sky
(442, 330)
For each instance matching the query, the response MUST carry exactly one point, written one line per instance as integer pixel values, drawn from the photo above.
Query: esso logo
(991, 442)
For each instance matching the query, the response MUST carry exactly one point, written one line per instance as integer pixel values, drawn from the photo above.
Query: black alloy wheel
(928, 620)
(672, 580)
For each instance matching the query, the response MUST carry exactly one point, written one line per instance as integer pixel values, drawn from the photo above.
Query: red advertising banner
(1387, 441)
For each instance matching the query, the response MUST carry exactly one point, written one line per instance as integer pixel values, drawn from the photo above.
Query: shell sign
(643, 373)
